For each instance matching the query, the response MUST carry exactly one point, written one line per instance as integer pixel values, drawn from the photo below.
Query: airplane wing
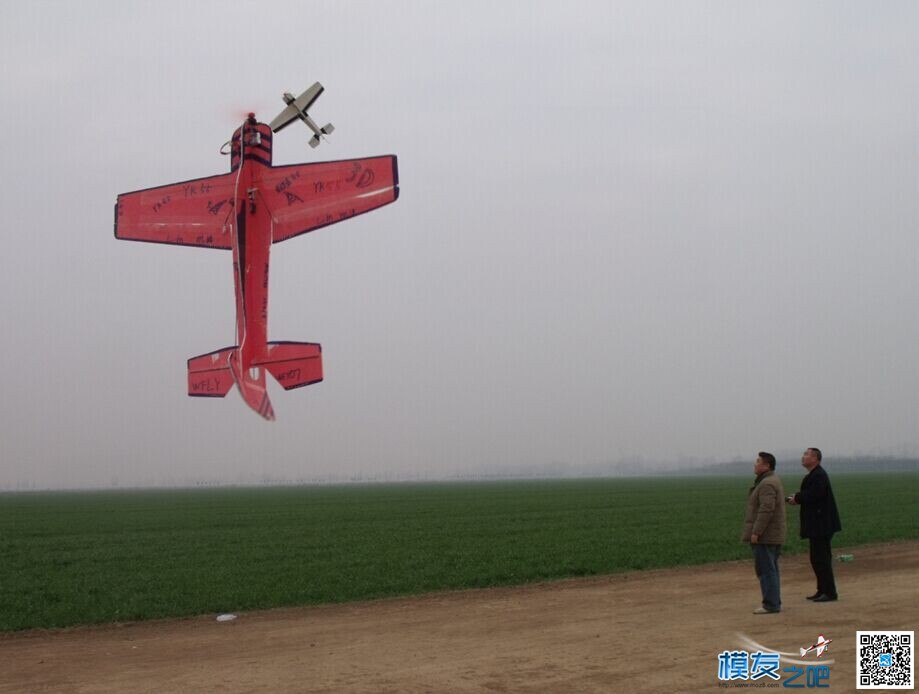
(284, 118)
(304, 197)
(292, 112)
(191, 213)
(306, 99)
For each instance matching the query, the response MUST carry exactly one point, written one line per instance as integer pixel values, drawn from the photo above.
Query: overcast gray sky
(627, 231)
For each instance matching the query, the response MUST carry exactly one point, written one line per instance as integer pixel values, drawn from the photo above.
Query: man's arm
(816, 490)
(768, 497)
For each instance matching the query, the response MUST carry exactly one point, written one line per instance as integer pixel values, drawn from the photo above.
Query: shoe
(763, 610)
(814, 596)
(825, 598)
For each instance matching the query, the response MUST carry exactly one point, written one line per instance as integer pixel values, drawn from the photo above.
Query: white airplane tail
(316, 139)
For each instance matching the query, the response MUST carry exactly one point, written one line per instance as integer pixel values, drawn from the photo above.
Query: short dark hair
(768, 458)
(816, 453)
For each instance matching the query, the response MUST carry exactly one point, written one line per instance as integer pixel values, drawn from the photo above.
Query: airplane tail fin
(252, 387)
(803, 651)
(213, 374)
(327, 130)
(293, 364)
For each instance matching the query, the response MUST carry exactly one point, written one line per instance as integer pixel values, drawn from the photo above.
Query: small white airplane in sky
(820, 646)
(296, 109)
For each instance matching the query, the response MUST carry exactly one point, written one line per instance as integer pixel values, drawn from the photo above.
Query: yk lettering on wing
(192, 213)
(305, 197)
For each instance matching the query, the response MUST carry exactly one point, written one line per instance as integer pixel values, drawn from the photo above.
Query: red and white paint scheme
(245, 211)
(819, 646)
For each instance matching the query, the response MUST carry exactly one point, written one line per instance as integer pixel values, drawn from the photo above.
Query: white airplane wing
(284, 118)
(306, 99)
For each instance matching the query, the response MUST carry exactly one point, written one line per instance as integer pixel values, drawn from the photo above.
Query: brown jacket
(765, 514)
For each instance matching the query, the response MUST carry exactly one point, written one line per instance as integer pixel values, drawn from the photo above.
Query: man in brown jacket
(764, 529)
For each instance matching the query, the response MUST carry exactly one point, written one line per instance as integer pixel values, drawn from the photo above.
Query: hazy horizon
(628, 233)
(788, 465)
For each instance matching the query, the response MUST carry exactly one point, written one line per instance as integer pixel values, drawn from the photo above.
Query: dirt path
(655, 631)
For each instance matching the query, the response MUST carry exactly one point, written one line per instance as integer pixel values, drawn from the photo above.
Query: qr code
(885, 659)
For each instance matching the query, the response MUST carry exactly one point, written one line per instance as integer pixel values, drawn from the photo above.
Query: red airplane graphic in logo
(820, 646)
(245, 211)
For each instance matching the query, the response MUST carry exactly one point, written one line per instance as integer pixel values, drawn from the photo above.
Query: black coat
(819, 515)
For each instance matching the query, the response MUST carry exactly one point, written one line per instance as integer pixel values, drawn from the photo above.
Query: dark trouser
(822, 563)
(766, 564)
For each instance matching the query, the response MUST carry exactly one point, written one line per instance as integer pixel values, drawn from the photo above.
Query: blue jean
(766, 563)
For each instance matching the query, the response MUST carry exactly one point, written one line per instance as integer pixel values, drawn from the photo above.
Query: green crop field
(89, 557)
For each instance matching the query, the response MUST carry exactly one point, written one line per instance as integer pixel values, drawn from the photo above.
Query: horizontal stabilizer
(328, 129)
(314, 141)
(209, 374)
(293, 364)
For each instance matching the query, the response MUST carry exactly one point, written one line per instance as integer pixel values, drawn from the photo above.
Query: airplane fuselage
(289, 99)
(251, 245)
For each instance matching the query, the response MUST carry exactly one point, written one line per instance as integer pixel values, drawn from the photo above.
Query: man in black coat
(819, 520)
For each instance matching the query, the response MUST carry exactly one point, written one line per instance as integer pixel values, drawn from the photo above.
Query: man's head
(764, 463)
(811, 458)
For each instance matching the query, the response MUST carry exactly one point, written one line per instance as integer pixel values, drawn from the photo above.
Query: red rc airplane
(245, 211)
